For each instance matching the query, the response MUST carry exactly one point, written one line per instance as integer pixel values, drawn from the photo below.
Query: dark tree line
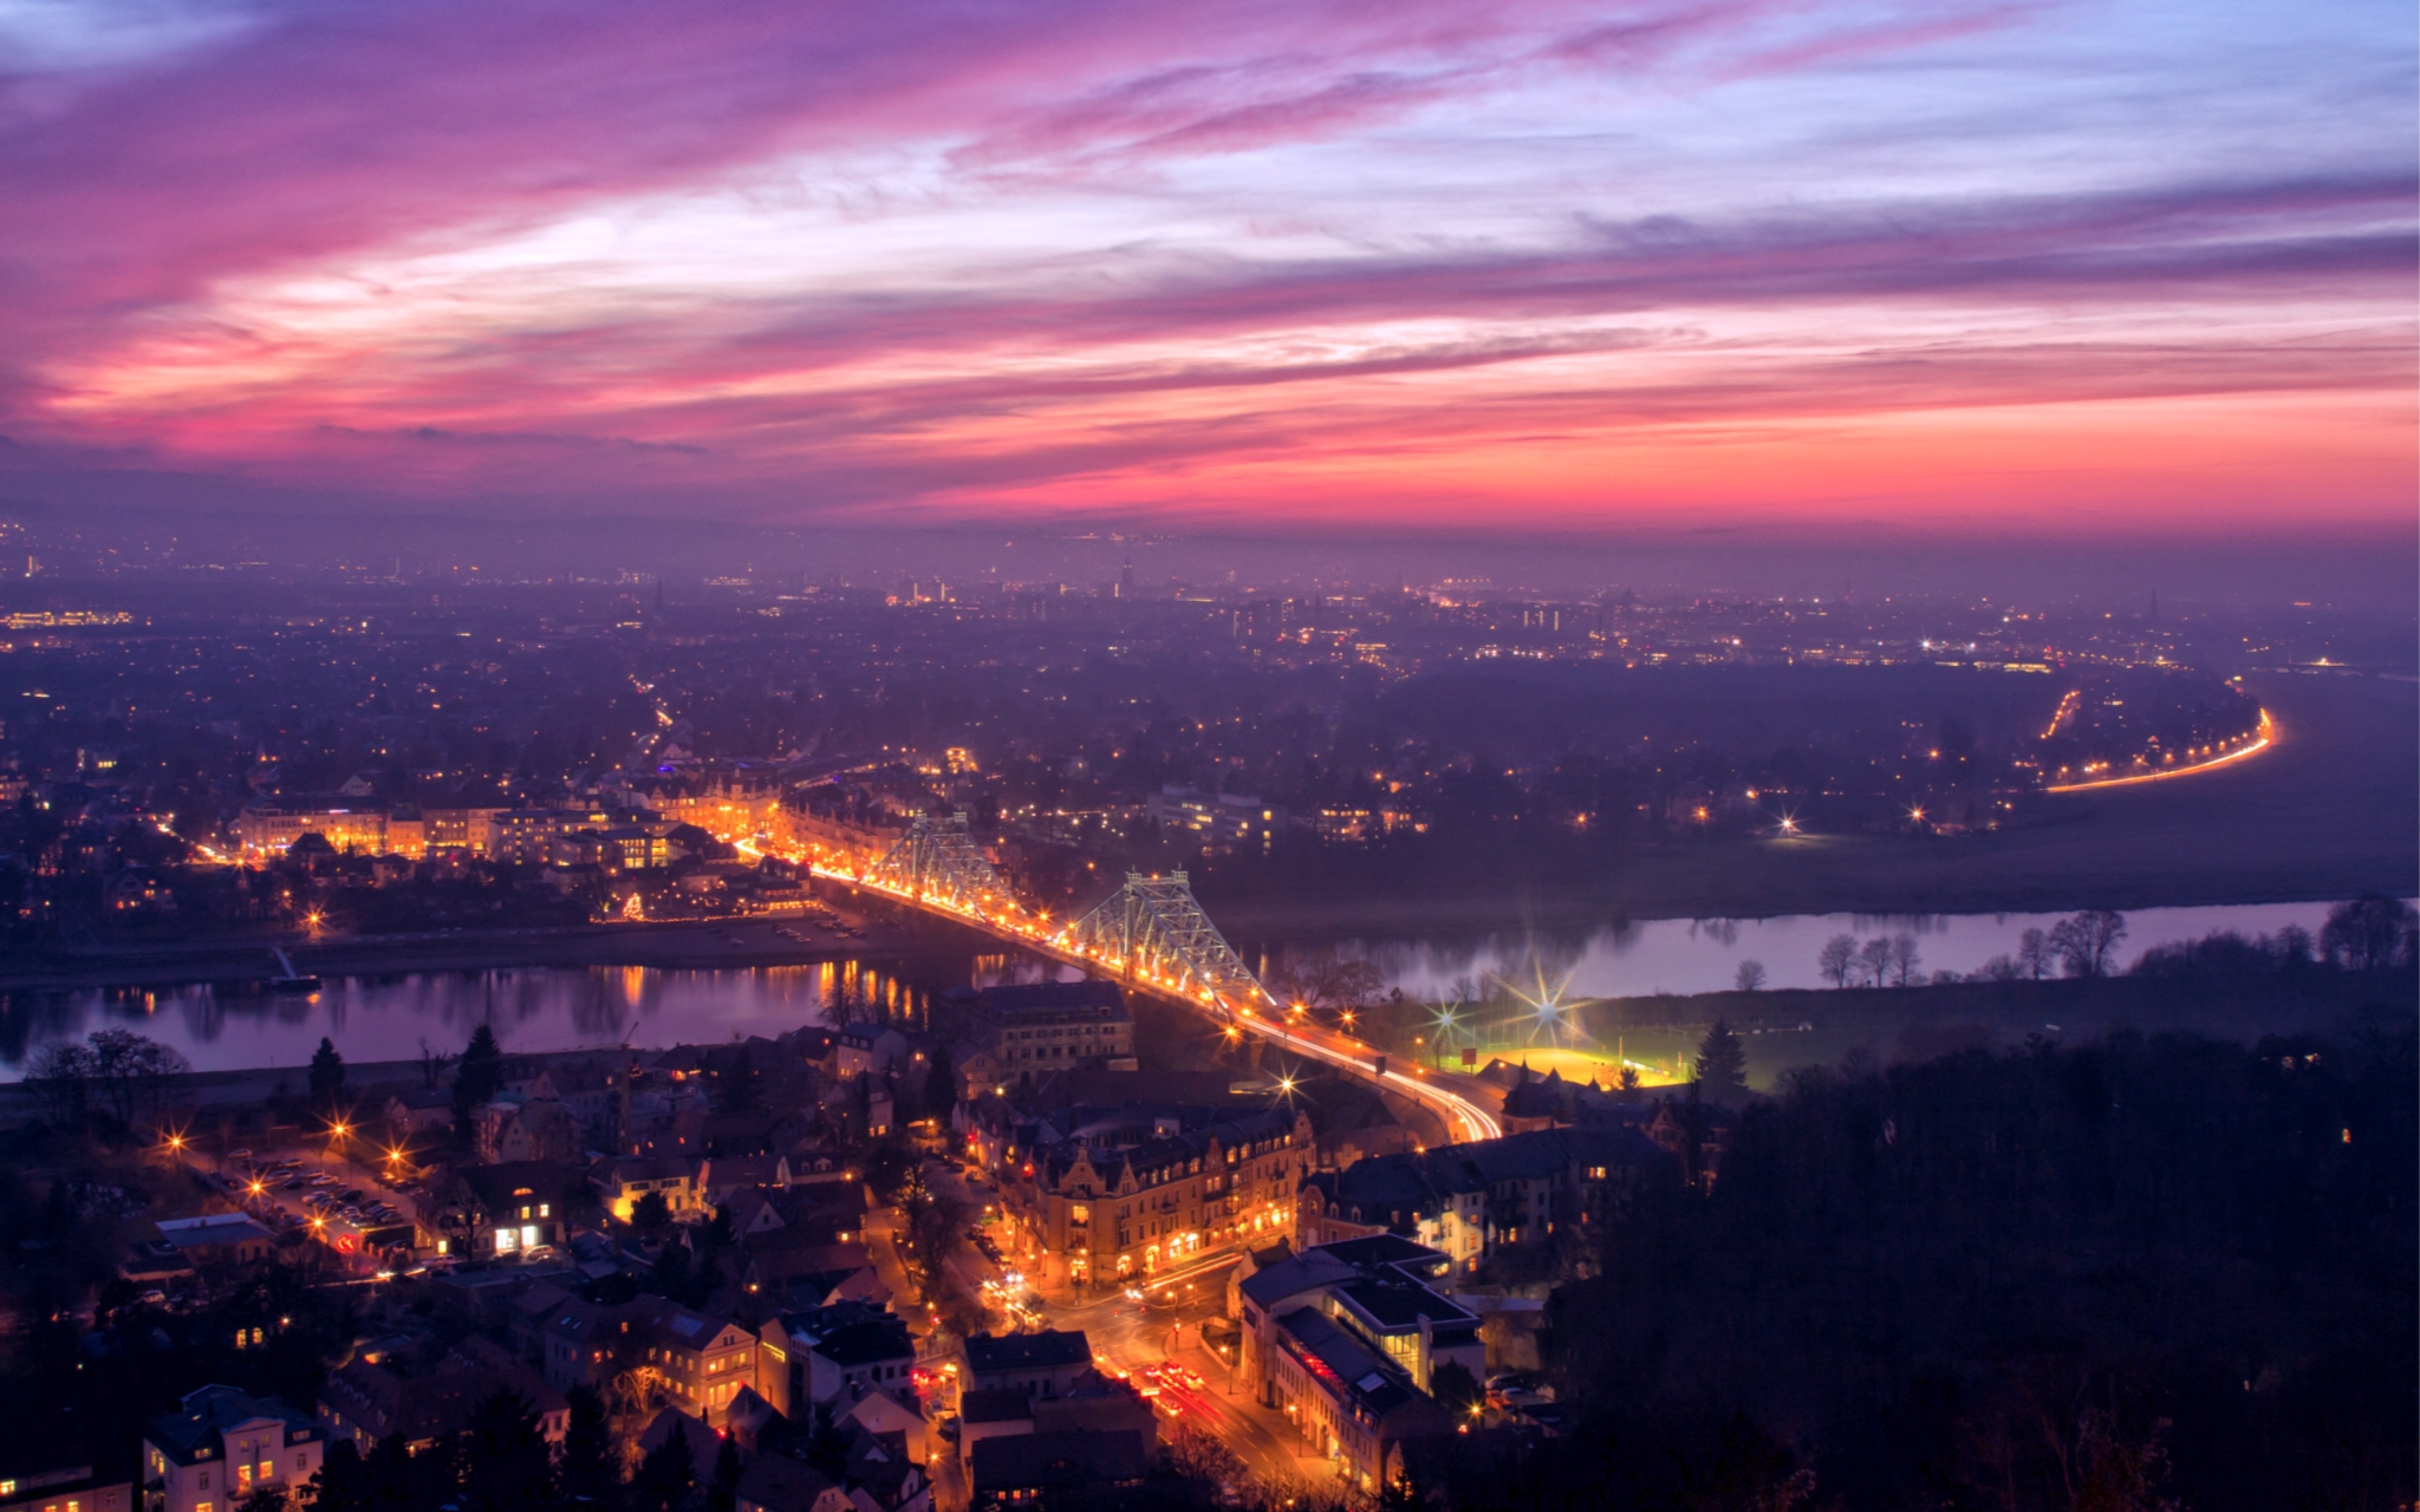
(2129, 1274)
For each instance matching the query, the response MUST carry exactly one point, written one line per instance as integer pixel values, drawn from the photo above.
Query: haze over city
(1048, 757)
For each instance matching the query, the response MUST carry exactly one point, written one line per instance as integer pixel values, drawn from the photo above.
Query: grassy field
(1784, 1030)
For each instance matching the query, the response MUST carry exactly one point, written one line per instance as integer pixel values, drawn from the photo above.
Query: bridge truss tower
(938, 862)
(1152, 929)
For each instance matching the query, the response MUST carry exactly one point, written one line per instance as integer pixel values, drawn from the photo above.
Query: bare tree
(1873, 961)
(1903, 958)
(1837, 958)
(432, 1064)
(2087, 944)
(62, 1073)
(2035, 956)
(131, 1070)
(1322, 978)
(2367, 934)
(1750, 977)
(2000, 968)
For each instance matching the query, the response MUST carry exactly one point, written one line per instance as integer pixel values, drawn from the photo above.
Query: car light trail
(2267, 737)
(1461, 1114)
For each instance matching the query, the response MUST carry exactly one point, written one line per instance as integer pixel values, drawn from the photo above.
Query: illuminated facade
(1104, 1196)
(272, 828)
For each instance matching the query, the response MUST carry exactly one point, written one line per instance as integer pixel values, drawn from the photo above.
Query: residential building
(1346, 1400)
(367, 1398)
(1377, 1289)
(1049, 1364)
(620, 1183)
(1467, 1200)
(702, 1362)
(412, 1110)
(62, 1487)
(1220, 821)
(219, 1239)
(836, 1354)
(507, 1207)
(271, 827)
(221, 1445)
(1103, 1195)
(777, 1483)
(1052, 1026)
(1043, 1470)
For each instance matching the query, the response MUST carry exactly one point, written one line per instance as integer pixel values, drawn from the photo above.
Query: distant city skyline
(2138, 271)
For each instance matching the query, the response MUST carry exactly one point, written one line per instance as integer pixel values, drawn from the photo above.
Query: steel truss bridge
(1150, 934)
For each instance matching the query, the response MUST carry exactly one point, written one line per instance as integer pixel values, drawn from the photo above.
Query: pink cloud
(323, 140)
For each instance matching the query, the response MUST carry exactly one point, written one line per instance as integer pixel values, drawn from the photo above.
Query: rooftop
(1045, 1351)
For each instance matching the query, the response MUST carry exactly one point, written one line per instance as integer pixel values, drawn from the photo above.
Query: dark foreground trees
(2130, 1275)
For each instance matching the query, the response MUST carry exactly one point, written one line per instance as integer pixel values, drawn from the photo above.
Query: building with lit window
(1054, 1025)
(1467, 1201)
(1382, 1291)
(1101, 1195)
(1221, 821)
(221, 1446)
(63, 1488)
(271, 827)
(1346, 1401)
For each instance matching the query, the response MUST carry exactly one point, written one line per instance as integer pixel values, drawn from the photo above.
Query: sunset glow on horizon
(2141, 267)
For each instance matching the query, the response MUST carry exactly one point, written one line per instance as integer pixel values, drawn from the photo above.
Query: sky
(1948, 270)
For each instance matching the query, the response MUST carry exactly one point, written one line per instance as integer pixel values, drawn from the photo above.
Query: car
(539, 1254)
(155, 1297)
(239, 1154)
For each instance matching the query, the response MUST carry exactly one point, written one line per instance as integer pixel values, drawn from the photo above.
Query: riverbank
(1785, 1030)
(692, 946)
(2332, 812)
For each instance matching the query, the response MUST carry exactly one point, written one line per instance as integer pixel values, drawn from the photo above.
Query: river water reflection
(392, 1018)
(1681, 955)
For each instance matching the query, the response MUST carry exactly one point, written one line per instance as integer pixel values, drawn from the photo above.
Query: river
(1684, 956)
(392, 1018)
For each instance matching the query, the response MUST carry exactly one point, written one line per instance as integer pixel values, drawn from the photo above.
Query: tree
(1903, 958)
(343, 1483)
(477, 1077)
(588, 1472)
(722, 1486)
(651, 1214)
(129, 1070)
(2086, 943)
(1749, 978)
(940, 1084)
(2367, 934)
(1454, 1388)
(505, 1466)
(2000, 968)
(667, 1475)
(266, 1499)
(432, 1064)
(1722, 1063)
(62, 1073)
(2035, 954)
(1627, 1080)
(1837, 958)
(885, 1170)
(1873, 961)
(327, 1075)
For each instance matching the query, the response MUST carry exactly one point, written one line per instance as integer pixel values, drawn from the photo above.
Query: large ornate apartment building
(1099, 1196)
